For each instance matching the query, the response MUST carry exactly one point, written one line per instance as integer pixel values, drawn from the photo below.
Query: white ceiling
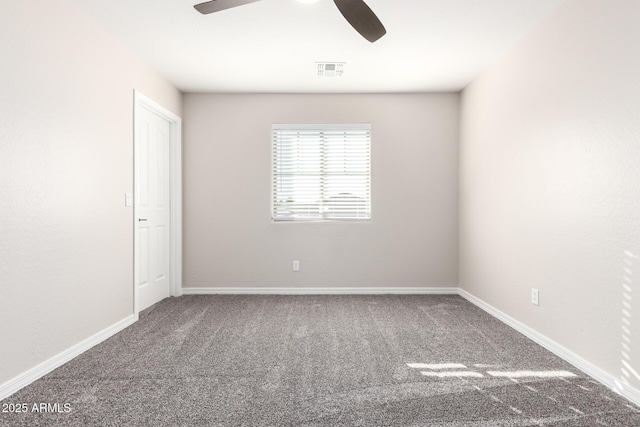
(273, 45)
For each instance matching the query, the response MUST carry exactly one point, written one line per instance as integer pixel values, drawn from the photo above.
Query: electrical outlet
(535, 296)
(296, 265)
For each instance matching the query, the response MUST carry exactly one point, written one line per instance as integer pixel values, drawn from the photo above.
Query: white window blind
(321, 172)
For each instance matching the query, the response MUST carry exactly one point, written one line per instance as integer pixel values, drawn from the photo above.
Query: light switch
(128, 199)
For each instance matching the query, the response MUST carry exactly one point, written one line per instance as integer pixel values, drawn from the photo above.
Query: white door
(153, 208)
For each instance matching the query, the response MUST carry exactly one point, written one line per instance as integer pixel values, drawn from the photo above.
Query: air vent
(330, 69)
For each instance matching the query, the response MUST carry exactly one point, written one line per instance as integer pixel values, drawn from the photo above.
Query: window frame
(321, 127)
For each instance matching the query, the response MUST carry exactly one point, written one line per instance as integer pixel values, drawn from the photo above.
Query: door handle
(142, 219)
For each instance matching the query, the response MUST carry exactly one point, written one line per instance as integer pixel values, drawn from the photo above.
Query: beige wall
(229, 239)
(66, 106)
(549, 183)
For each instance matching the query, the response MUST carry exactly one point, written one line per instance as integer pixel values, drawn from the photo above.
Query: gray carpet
(320, 361)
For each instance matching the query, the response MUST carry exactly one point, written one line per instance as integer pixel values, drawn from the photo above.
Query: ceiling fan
(356, 12)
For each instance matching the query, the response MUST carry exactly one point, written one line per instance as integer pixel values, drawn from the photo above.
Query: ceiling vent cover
(330, 69)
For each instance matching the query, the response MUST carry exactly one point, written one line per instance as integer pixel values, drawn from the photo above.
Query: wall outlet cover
(535, 296)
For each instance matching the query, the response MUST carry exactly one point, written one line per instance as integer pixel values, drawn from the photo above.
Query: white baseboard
(320, 291)
(39, 371)
(598, 374)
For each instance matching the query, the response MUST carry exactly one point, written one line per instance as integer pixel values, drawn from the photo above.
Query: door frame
(175, 175)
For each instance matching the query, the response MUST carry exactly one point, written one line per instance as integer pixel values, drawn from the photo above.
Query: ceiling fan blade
(218, 5)
(362, 18)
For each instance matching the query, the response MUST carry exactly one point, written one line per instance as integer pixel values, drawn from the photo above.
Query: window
(321, 172)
